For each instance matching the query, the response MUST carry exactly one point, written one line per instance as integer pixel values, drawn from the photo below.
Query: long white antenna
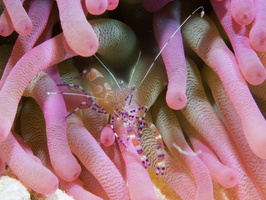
(75, 94)
(134, 69)
(160, 52)
(185, 152)
(113, 77)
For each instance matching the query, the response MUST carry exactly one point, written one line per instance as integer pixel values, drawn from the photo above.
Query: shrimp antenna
(134, 69)
(106, 68)
(160, 52)
(74, 94)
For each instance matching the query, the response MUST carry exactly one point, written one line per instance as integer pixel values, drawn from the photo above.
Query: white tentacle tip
(185, 152)
(202, 13)
(49, 93)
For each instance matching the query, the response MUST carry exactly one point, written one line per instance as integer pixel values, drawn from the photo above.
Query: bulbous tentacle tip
(76, 172)
(85, 42)
(230, 178)
(244, 16)
(107, 136)
(176, 100)
(46, 184)
(53, 186)
(257, 139)
(255, 77)
(23, 26)
(112, 4)
(69, 174)
(96, 7)
(260, 152)
(3, 30)
(257, 38)
(89, 47)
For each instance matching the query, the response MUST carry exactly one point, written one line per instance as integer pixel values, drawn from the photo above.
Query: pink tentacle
(6, 26)
(107, 136)
(166, 21)
(249, 64)
(137, 176)
(204, 38)
(78, 32)
(172, 134)
(221, 144)
(243, 12)
(54, 110)
(26, 168)
(36, 60)
(220, 173)
(200, 119)
(96, 7)
(254, 165)
(258, 31)
(112, 4)
(20, 19)
(39, 13)
(95, 160)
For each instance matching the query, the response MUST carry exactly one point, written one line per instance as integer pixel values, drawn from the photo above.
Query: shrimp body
(108, 99)
(117, 104)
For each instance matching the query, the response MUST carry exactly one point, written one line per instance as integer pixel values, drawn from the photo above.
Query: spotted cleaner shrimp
(116, 103)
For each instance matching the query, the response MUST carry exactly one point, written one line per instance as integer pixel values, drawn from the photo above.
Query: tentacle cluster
(204, 101)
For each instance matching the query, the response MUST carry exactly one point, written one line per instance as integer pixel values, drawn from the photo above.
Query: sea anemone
(205, 99)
